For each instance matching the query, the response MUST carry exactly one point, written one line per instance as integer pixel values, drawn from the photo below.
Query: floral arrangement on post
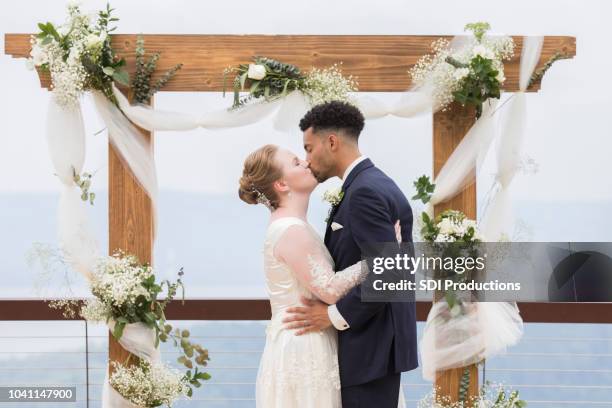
(149, 384)
(469, 74)
(271, 79)
(127, 292)
(490, 396)
(451, 234)
(78, 55)
(448, 226)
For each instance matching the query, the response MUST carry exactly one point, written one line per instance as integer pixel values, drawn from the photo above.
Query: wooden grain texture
(447, 383)
(380, 62)
(130, 218)
(449, 128)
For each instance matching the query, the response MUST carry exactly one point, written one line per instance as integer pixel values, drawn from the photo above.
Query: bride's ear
(280, 186)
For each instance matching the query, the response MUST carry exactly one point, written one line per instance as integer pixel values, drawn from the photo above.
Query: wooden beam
(380, 62)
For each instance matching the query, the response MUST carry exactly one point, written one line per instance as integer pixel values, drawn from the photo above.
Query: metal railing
(549, 366)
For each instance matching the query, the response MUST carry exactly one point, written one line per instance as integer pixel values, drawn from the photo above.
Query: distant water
(217, 239)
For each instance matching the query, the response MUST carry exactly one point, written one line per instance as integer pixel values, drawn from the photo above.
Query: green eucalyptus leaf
(122, 77)
(202, 376)
(108, 71)
(118, 331)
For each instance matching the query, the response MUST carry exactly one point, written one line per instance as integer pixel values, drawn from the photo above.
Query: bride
(295, 371)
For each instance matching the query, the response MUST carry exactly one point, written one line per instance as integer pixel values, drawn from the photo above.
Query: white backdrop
(569, 129)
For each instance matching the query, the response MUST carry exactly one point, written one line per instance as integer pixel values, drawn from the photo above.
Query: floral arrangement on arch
(126, 293)
(468, 73)
(490, 396)
(79, 57)
(269, 79)
(451, 234)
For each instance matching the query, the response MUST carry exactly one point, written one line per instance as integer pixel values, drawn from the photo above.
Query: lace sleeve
(307, 259)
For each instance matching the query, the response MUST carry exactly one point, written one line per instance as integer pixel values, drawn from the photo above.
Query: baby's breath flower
(434, 74)
(64, 56)
(328, 84)
(117, 280)
(95, 311)
(149, 384)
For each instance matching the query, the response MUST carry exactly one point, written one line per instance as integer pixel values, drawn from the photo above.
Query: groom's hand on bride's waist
(311, 317)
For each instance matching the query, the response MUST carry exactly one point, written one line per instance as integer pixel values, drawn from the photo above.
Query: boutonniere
(334, 197)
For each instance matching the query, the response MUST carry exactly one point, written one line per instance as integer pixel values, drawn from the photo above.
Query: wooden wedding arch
(381, 64)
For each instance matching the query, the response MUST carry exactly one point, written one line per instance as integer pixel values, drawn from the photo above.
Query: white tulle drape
(132, 147)
(497, 219)
(485, 329)
(153, 119)
(463, 164)
(488, 327)
(66, 144)
(139, 340)
(286, 112)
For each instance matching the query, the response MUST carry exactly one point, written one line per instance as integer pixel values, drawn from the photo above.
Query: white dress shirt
(332, 311)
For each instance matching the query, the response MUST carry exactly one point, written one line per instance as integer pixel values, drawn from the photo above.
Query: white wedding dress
(300, 371)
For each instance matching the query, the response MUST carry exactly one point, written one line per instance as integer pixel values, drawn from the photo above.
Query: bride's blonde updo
(259, 174)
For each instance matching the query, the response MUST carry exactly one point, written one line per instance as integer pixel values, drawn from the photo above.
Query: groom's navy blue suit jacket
(381, 339)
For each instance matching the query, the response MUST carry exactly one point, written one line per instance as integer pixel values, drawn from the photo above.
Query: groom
(376, 340)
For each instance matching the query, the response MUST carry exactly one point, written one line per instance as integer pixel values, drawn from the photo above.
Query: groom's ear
(332, 140)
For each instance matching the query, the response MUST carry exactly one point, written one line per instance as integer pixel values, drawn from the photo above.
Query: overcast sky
(569, 125)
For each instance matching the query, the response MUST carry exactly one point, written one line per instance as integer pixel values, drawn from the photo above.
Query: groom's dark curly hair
(336, 116)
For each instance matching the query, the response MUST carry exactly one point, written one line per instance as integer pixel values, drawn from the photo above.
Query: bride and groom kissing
(325, 347)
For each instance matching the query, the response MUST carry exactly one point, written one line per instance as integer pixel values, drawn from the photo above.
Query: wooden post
(449, 128)
(130, 223)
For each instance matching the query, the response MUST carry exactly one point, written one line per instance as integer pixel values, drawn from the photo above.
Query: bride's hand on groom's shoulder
(311, 317)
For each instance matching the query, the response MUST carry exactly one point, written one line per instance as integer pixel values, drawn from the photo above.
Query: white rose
(92, 41)
(500, 76)
(256, 71)
(484, 52)
(39, 55)
(446, 226)
(63, 30)
(444, 238)
(461, 73)
(74, 56)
